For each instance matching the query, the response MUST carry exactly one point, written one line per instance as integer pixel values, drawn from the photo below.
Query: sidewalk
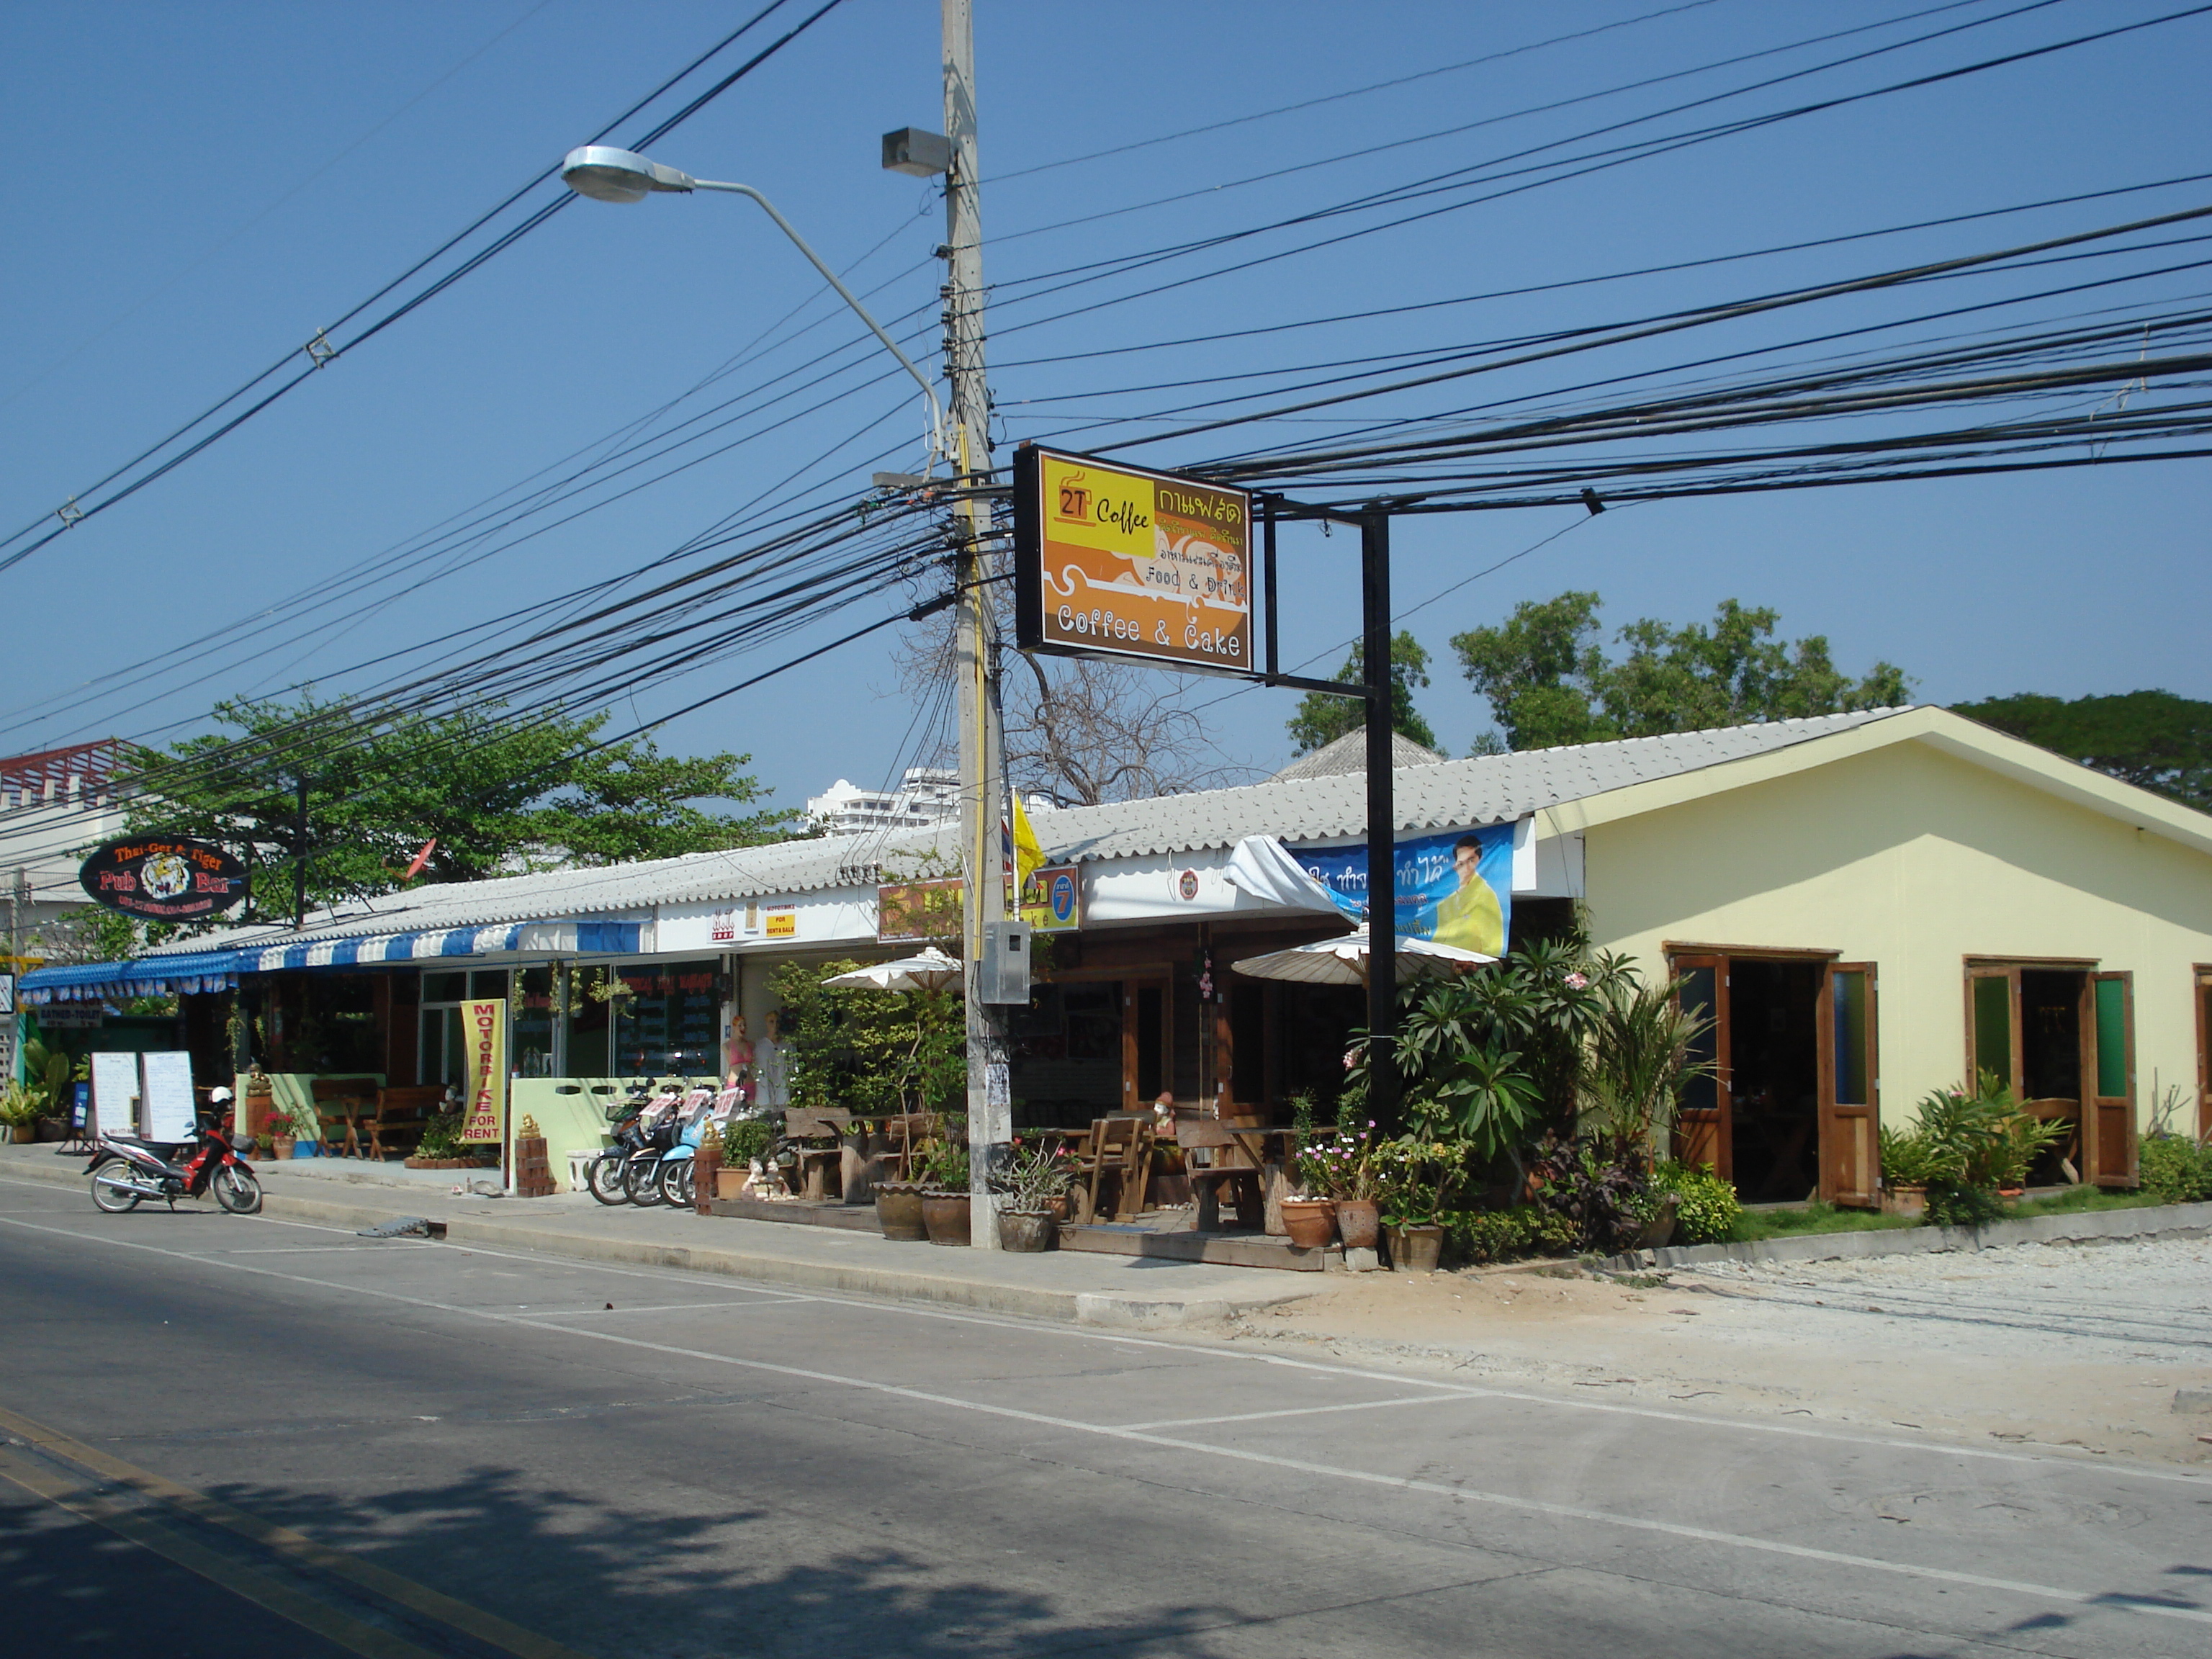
(1131, 1292)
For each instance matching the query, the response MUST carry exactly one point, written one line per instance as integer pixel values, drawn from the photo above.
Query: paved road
(253, 1437)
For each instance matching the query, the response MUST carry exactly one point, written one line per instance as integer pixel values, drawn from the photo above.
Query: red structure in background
(84, 772)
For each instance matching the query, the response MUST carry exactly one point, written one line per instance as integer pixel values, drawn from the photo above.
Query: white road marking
(364, 1247)
(1235, 1454)
(764, 1300)
(1294, 1411)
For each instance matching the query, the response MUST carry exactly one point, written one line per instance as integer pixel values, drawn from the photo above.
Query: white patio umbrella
(930, 970)
(1344, 961)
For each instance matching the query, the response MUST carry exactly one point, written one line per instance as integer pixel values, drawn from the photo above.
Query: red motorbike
(125, 1171)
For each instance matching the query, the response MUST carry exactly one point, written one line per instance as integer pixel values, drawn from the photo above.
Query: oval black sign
(163, 878)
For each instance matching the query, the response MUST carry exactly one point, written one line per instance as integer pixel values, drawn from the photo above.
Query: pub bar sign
(1116, 561)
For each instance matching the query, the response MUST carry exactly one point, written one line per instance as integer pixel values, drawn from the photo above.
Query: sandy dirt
(2033, 1345)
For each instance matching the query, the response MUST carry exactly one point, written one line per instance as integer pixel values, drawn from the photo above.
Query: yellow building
(1887, 908)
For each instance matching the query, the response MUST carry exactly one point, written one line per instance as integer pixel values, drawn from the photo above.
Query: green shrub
(1482, 1236)
(442, 1138)
(744, 1140)
(2176, 1170)
(1709, 1210)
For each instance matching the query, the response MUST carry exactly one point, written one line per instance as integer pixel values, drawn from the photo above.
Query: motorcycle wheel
(675, 1187)
(113, 1199)
(606, 1178)
(237, 1190)
(643, 1184)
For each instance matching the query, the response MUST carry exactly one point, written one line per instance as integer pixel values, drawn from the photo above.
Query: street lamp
(607, 174)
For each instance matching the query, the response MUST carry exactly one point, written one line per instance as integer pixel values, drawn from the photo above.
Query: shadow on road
(612, 1582)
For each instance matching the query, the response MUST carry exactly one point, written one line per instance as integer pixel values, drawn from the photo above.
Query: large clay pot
(731, 1183)
(1358, 1221)
(1904, 1200)
(1310, 1222)
(1416, 1249)
(898, 1211)
(945, 1217)
(1027, 1230)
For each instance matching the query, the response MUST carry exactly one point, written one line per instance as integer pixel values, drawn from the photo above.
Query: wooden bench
(340, 1104)
(402, 1115)
(1232, 1167)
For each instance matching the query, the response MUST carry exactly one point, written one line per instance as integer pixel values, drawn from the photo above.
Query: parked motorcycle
(126, 1170)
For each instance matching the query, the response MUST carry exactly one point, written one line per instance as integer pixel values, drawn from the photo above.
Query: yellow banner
(484, 1031)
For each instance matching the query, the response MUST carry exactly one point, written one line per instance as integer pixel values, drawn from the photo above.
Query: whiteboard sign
(115, 1093)
(167, 1094)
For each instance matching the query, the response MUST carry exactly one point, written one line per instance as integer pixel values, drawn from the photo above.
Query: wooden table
(1259, 1181)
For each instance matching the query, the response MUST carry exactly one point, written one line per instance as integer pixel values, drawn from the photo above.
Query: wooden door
(1850, 1087)
(1993, 1022)
(1147, 1061)
(1704, 1127)
(2108, 1081)
(2203, 1053)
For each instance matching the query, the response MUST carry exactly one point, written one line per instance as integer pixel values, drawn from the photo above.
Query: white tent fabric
(1344, 961)
(1261, 866)
(930, 970)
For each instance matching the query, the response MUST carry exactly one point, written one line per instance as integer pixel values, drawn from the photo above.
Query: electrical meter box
(1003, 976)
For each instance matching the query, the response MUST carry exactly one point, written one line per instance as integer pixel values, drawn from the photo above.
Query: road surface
(249, 1437)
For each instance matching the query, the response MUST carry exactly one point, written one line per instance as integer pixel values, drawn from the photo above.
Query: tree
(1320, 720)
(1549, 681)
(498, 799)
(2152, 739)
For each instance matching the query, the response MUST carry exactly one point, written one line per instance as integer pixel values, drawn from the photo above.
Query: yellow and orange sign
(483, 1035)
(1117, 561)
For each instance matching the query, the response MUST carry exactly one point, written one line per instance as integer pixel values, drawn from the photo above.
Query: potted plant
(744, 1143)
(19, 1112)
(1033, 1181)
(1342, 1168)
(280, 1138)
(1907, 1162)
(944, 1202)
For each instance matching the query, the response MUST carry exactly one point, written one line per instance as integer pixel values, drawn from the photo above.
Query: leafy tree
(2154, 739)
(1549, 681)
(499, 799)
(1320, 720)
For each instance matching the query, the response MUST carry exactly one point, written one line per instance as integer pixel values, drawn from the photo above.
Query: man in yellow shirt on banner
(1470, 918)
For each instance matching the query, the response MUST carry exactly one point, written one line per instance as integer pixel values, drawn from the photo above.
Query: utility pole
(300, 861)
(982, 773)
(1382, 819)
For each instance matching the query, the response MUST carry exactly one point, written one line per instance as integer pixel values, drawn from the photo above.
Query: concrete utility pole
(982, 767)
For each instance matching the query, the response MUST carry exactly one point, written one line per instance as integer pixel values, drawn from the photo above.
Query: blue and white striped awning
(557, 938)
(190, 975)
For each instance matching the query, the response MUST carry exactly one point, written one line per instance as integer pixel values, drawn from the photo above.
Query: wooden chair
(1120, 1149)
(903, 1137)
(1231, 1168)
(819, 1167)
(402, 1114)
(341, 1103)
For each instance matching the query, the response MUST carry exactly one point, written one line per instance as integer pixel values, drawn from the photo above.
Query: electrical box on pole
(1003, 975)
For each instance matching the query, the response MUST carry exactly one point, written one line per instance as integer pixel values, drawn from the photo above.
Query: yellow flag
(1028, 857)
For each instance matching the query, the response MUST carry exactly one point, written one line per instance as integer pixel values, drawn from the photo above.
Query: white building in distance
(926, 795)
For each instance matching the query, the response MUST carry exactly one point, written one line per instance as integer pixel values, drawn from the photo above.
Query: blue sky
(210, 184)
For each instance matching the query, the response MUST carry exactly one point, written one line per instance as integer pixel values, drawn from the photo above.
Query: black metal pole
(1268, 575)
(1381, 822)
(300, 861)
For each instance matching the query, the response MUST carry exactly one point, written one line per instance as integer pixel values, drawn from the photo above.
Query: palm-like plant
(1639, 1061)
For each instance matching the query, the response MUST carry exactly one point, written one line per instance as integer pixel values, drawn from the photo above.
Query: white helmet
(219, 1096)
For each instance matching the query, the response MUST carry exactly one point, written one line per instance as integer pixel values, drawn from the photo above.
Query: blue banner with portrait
(1456, 888)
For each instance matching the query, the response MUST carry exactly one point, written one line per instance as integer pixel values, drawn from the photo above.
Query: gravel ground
(2080, 1347)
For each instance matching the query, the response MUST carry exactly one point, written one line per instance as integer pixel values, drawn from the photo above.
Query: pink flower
(1577, 982)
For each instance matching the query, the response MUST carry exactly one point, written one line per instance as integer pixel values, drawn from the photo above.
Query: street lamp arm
(936, 413)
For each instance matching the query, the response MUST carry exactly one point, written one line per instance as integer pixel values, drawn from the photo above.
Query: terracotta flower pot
(1027, 1230)
(898, 1211)
(1310, 1222)
(1904, 1200)
(280, 1145)
(945, 1217)
(1358, 1220)
(22, 1133)
(1415, 1249)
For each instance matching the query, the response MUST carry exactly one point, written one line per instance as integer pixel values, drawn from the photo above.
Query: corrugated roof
(1444, 794)
(1349, 754)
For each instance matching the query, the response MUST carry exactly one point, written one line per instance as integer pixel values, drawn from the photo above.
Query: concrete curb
(1101, 1308)
(2152, 1221)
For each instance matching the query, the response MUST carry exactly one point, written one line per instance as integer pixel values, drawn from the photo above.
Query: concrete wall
(1913, 859)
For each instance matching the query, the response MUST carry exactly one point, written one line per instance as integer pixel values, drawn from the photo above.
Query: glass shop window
(669, 1022)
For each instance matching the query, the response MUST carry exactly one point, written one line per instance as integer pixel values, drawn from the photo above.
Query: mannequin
(772, 1066)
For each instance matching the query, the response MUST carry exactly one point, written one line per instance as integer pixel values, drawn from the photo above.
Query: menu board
(166, 1090)
(671, 1020)
(115, 1092)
